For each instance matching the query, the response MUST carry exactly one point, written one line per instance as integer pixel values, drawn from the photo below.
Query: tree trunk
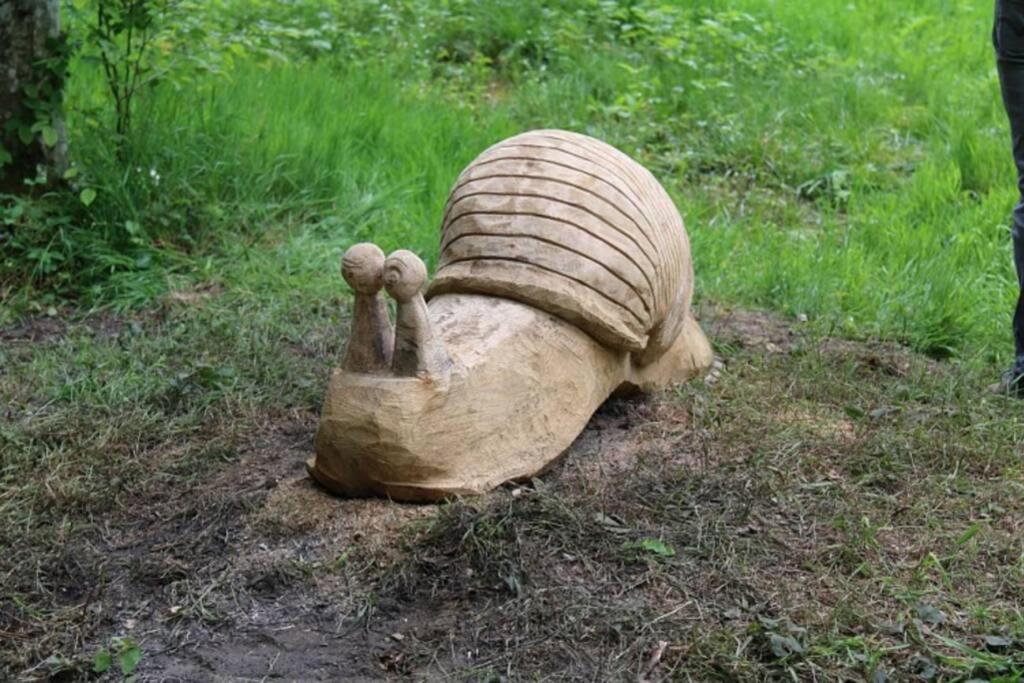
(33, 63)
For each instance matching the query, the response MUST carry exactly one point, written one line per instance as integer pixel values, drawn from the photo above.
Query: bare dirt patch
(47, 328)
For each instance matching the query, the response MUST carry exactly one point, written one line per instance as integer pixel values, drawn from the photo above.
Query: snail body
(564, 276)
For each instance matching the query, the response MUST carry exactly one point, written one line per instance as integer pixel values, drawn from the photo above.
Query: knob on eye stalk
(417, 350)
(404, 275)
(362, 266)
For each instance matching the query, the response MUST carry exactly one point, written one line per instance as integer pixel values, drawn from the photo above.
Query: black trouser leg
(1011, 79)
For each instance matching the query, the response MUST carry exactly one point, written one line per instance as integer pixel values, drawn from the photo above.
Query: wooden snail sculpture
(564, 276)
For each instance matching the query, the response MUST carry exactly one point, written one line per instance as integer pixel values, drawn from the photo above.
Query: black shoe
(1010, 384)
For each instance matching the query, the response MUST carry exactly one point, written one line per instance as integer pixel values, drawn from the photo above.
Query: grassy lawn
(845, 161)
(840, 501)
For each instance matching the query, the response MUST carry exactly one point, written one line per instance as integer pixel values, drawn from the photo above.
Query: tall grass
(844, 160)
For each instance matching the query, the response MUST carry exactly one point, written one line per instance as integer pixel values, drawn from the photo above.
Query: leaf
(129, 658)
(14, 213)
(969, 534)
(87, 196)
(5, 156)
(652, 546)
(924, 667)
(784, 646)
(879, 413)
(657, 547)
(997, 643)
(102, 661)
(49, 136)
(226, 372)
(930, 615)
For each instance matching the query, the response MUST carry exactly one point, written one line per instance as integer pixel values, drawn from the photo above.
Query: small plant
(124, 31)
(651, 548)
(137, 43)
(127, 653)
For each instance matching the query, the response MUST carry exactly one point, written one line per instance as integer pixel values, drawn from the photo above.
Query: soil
(254, 544)
(248, 571)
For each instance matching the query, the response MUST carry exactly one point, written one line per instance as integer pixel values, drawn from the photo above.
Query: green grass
(845, 161)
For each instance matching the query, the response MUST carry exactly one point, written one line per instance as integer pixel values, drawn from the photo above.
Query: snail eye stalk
(372, 339)
(417, 351)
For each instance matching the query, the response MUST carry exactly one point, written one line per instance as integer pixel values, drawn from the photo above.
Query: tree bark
(33, 63)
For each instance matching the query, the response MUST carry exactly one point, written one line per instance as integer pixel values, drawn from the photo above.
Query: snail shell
(572, 226)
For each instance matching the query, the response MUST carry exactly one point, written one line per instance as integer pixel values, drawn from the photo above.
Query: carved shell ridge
(572, 226)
